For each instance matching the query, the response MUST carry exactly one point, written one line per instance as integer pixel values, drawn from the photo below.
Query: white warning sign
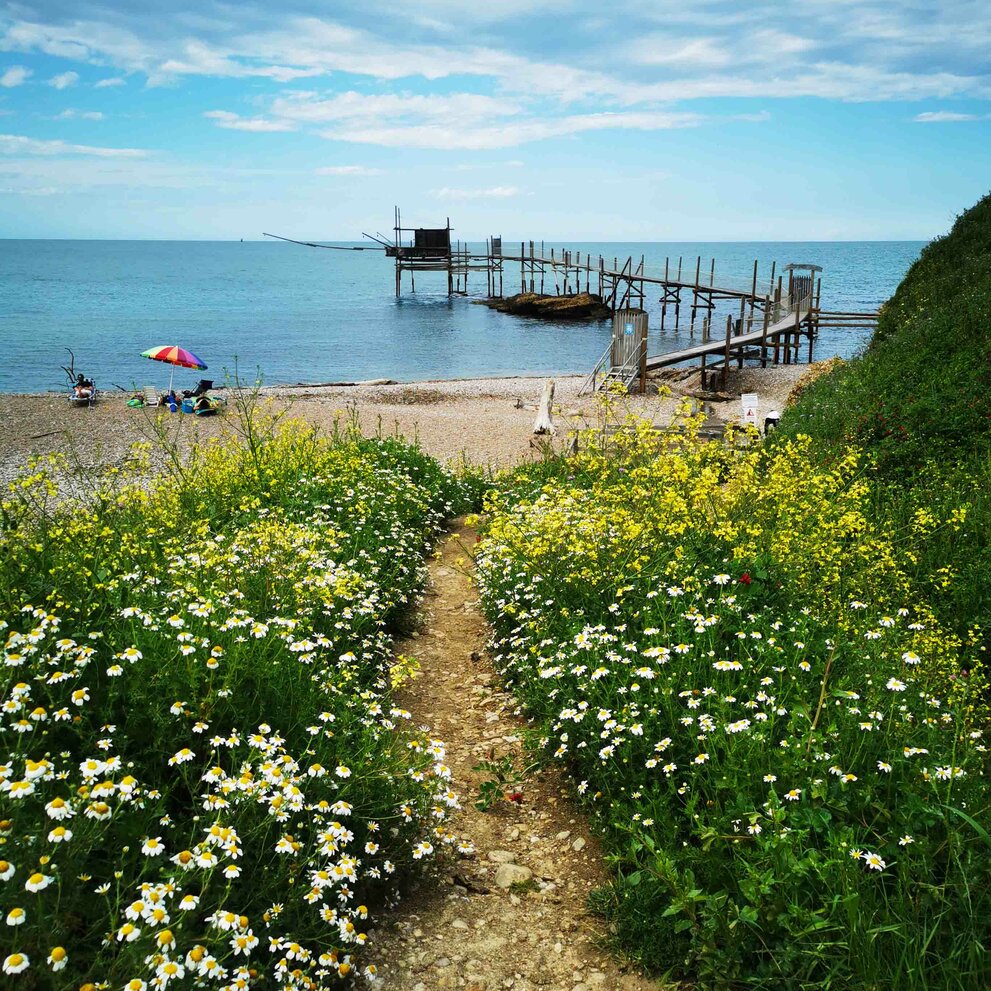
(749, 402)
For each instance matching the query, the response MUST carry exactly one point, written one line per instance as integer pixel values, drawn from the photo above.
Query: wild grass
(765, 668)
(203, 777)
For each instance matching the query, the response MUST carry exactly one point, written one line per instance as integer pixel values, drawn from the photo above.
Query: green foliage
(201, 760)
(736, 657)
(918, 401)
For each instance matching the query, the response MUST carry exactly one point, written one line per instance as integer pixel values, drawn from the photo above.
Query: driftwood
(336, 385)
(543, 424)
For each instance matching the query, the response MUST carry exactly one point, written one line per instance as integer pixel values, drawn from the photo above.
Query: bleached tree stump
(543, 424)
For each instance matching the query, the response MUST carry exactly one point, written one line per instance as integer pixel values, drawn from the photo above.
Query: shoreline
(488, 421)
(114, 391)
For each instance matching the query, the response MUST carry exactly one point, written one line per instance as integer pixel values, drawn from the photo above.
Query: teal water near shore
(298, 314)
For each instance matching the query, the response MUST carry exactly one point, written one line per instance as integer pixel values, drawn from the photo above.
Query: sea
(284, 313)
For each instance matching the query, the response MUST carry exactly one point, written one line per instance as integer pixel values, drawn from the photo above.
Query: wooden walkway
(793, 323)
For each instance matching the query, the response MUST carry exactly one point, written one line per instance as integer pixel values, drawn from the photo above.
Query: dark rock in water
(582, 306)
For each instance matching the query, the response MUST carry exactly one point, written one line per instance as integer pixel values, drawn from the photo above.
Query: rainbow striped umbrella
(174, 355)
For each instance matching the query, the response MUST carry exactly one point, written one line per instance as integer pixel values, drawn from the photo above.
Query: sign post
(750, 403)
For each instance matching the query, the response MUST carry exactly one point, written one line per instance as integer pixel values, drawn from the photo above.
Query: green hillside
(919, 402)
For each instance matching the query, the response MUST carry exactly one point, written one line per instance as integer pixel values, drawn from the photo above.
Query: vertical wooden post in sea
(695, 296)
(729, 347)
(753, 296)
(763, 340)
(741, 330)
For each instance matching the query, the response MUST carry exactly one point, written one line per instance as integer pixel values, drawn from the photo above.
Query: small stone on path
(509, 874)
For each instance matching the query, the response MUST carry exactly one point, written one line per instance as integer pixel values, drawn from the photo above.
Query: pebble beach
(488, 421)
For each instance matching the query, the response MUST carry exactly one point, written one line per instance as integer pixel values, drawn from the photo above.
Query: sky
(562, 120)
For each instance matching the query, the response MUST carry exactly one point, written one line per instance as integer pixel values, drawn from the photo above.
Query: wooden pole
(729, 341)
(643, 358)
(695, 296)
(753, 295)
(664, 291)
(743, 309)
(763, 340)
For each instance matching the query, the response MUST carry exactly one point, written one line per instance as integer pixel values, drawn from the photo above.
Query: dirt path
(514, 915)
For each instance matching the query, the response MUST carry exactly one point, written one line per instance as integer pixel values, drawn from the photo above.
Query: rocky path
(513, 916)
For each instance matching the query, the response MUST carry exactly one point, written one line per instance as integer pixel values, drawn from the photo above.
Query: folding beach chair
(151, 396)
(83, 393)
(202, 388)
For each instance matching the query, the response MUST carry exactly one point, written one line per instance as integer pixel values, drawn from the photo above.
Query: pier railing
(591, 383)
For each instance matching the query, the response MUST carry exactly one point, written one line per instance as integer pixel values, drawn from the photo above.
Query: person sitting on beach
(83, 387)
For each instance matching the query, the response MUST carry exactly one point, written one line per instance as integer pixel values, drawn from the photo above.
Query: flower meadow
(785, 750)
(203, 781)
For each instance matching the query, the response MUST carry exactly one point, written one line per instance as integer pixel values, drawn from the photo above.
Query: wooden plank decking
(719, 347)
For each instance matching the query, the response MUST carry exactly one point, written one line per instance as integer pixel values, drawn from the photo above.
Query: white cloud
(513, 163)
(64, 80)
(83, 41)
(72, 114)
(942, 117)
(360, 170)
(468, 121)
(16, 75)
(705, 53)
(234, 122)
(16, 144)
(456, 108)
(868, 50)
(481, 137)
(107, 83)
(495, 192)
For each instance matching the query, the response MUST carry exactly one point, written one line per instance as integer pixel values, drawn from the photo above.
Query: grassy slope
(919, 400)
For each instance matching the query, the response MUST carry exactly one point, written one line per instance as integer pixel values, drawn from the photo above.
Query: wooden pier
(770, 321)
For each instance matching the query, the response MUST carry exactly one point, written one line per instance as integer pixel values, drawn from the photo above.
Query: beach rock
(581, 306)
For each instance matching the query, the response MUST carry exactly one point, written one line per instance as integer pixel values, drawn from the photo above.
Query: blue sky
(648, 120)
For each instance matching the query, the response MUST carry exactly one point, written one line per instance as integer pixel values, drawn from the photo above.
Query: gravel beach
(488, 421)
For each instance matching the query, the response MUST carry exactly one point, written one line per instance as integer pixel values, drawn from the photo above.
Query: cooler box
(187, 405)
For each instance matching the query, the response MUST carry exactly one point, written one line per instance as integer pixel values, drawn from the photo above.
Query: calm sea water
(298, 314)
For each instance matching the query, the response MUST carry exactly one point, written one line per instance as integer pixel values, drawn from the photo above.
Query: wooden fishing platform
(772, 319)
(769, 321)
